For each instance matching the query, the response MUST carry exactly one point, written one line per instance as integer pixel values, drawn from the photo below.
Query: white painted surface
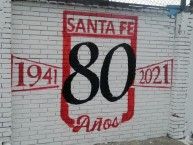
(189, 104)
(5, 71)
(37, 35)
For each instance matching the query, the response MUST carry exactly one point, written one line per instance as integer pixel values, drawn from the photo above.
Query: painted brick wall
(5, 71)
(43, 36)
(180, 120)
(189, 115)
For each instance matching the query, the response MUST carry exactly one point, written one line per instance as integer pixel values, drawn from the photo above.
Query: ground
(155, 141)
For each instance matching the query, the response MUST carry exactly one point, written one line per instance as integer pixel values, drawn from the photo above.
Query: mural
(99, 71)
(33, 75)
(158, 75)
(92, 77)
(101, 27)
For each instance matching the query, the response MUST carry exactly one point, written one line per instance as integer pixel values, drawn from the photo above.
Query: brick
(36, 114)
(45, 140)
(29, 142)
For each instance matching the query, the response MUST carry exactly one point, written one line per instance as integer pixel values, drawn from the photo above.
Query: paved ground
(156, 141)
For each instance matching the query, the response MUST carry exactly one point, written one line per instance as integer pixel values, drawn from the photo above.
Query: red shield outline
(64, 112)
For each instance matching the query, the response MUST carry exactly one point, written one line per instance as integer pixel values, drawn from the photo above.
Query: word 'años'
(84, 122)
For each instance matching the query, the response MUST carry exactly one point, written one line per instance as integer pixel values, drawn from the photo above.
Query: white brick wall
(37, 42)
(37, 36)
(189, 101)
(179, 124)
(5, 71)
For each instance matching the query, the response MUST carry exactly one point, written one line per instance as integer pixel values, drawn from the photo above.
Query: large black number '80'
(92, 77)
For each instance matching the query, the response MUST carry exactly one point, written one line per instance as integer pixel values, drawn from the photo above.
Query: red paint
(161, 87)
(35, 62)
(166, 74)
(64, 111)
(110, 28)
(155, 64)
(127, 27)
(90, 28)
(103, 36)
(38, 74)
(55, 76)
(130, 29)
(72, 26)
(99, 124)
(48, 76)
(34, 89)
(82, 121)
(24, 67)
(107, 124)
(96, 29)
(86, 25)
(100, 26)
(130, 108)
(156, 75)
(20, 76)
(122, 27)
(80, 26)
(92, 25)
